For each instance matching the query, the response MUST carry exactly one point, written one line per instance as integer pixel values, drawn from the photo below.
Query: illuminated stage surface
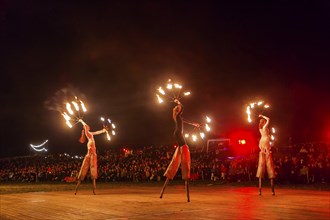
(143, 202)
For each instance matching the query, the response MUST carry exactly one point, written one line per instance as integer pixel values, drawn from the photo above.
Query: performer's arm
(178, 132)
(99, 132)
(267, 120)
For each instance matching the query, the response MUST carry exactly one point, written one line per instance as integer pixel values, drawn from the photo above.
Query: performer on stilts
(265, 154)
(181, 154)
(90, 160)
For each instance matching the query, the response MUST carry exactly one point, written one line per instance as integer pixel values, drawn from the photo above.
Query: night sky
(116, 54)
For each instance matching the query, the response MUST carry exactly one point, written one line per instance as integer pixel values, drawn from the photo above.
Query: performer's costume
(265, 157)
(90, 160)
(181, 154)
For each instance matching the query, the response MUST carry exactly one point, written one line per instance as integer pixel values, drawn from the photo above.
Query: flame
(160, 100)
(266, 106)
(169, 86)
(108, 136)
(260, 102)
(177, 86)
(83, 106)
(76, 106)
(202, 135)
(194, 138)
(68, 107)
(113, 126)
(102, 119)
(109, 121)
(208, 119)
(66, 116)
(252, 105)
(186, 135)
(186, 93)
(207, 127)
(161, 91)
(113, 132)
(69, 124)
(273, 130)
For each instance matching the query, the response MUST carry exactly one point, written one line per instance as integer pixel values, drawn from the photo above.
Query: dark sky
(117, 53)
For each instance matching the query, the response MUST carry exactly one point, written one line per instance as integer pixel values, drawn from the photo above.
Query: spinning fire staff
(90, 160)
(265, 154)
(181, 154)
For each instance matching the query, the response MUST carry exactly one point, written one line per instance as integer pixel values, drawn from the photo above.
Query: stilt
(187, 190)
(94, 186)
(164, 186)
(77, 186)
(260, 182)
(273, 187)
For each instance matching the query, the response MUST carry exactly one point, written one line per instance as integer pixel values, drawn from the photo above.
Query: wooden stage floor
(143, 202)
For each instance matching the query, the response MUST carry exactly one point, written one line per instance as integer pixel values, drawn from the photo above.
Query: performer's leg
(164, 186)
(94, 186)
(187, 190)
(77, 186)
(272, 185)
(260, 182)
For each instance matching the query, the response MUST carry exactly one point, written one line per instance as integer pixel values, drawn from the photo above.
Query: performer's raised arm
(267, 120)
(99, 132)
(178, 132)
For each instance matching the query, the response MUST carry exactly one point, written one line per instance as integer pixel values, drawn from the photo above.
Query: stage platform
(143, 202)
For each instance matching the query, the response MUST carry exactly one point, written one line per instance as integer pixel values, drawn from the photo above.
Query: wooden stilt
(164, 186)
(187, 190)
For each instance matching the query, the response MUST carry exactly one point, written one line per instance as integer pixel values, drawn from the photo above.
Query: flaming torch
(254, 109)
(108, 124)
(199, 129)
(171, 92)
(74, 111)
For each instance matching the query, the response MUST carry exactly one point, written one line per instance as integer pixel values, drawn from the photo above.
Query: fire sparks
(172, 92)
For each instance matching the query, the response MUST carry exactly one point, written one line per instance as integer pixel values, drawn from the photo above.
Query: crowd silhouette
(303, 163)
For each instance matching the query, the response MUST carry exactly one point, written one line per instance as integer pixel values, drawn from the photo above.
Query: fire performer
(265, 154)
(90, 160)
(181, 154)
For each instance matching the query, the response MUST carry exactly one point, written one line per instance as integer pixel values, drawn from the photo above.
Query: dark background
(116, 54)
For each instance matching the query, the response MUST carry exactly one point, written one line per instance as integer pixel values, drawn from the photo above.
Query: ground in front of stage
(142, 202)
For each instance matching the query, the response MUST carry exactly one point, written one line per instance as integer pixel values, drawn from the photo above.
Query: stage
(141, 201)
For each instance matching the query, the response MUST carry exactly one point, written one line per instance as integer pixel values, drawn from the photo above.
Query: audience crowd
(304, 163)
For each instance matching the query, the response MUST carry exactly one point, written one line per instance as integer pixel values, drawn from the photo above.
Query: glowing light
(273, 130)
(208, 120)
(173, 92)
(66, 116)
(106, 123)
(39, 147)
(76, 106)
(160, 100)
(202, 135)
(186, 135)
(83, 106)
(207, 127)
(194, 138)
(177, 86)
(169, 86)
(68, 107)
(254, 109)
(161, 91)
(69, 124)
